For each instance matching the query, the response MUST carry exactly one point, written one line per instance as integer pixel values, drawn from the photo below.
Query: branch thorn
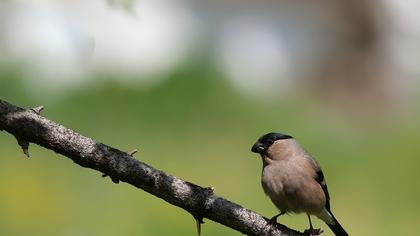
(132, 152)
(198, 224)
(115, 180)
(38, 109)
(24, 145)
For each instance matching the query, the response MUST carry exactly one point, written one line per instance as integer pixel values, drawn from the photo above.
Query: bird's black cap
(266, 140)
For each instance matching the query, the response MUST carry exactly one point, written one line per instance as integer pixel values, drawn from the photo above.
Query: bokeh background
(192, 85)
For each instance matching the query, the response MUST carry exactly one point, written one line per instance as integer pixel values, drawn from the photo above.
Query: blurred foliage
(195, 125)
(125, 4)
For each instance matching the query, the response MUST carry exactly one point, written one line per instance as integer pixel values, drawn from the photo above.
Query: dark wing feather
(321, 181)
(319, 178)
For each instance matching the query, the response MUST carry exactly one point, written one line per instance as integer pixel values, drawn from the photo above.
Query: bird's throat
(266, 160)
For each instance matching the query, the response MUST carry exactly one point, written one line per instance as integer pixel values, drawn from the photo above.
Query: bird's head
(263, 144)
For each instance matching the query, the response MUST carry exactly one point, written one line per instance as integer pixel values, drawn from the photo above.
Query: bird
(294, 181)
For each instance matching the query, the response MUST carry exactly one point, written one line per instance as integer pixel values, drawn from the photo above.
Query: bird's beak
(258, 148)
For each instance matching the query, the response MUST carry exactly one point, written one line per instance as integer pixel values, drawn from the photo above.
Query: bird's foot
(273, 221)
(313, 232)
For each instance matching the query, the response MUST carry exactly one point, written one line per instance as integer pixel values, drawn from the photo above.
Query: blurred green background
(199, 125)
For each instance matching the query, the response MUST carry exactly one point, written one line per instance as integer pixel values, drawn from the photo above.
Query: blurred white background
(262, 46)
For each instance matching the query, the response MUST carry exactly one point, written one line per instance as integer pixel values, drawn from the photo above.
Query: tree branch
(29, 127)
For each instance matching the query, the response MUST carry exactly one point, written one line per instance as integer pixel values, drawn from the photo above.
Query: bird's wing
(321, 181)
(319, 178)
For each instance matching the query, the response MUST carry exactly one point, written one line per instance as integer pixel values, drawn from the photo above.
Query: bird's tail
(336, 227)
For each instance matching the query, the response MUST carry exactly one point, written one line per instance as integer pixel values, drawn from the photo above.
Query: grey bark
(28, 126)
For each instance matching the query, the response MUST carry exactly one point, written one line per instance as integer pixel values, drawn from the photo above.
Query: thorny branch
(28, 126)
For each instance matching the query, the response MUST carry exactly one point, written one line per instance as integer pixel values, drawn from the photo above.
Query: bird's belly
(283, 196)
(275, 187)
(287, 193)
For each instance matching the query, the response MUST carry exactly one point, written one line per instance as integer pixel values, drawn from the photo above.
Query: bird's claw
(313, 232)
(272, 221)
